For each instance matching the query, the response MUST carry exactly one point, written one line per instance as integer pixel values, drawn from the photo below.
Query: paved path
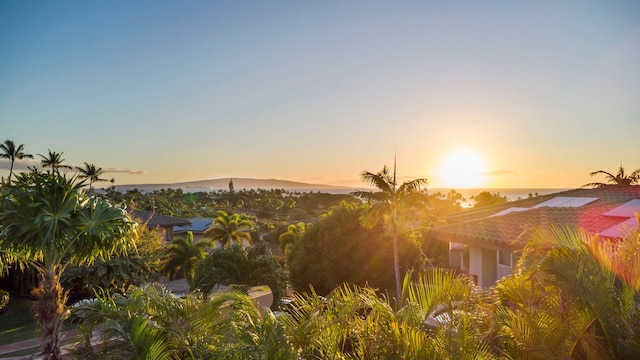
(33, 344)
(179, 287)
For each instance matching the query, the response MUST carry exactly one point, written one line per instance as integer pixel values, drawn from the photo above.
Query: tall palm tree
(185, 253)
(91, 172)
(11, 152)
(228, 228)
(54, 160)
(387, 201)
(621, 178)
(48, 223)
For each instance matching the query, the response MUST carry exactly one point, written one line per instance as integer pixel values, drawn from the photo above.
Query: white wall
(483, 264)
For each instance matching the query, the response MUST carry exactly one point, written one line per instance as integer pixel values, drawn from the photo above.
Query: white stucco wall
(483, 264)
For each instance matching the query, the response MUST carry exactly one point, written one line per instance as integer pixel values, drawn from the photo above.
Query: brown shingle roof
(479, 227)
(614, 194)
(154, 220)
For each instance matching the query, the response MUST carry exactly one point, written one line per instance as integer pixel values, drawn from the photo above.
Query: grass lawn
(17, 322)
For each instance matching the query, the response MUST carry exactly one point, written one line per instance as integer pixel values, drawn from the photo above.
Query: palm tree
(48, 223)
(236, 265)
(386, 202)
(294, 233)
(621, 178)
(152, 323)
(11, 152)
(54, 160)
(440, 321)
(90, 172)
(228, 228)
(573, 295)
(184, 253)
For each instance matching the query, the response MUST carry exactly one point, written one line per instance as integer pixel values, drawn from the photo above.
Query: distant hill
(238, 184)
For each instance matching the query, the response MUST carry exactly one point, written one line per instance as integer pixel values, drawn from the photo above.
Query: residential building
(164, 223)
(485, 242)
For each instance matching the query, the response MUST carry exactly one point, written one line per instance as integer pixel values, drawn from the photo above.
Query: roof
(500, 226)
(611, 193)
(197, 225)
(154, 220)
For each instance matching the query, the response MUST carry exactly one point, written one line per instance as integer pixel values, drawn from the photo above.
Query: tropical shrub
(184, 254)
(235, 265)
(339, 249)
(139, 263)
(573, 295)
(49, 223)
(439, 321)
(152, 323)
(4, 299)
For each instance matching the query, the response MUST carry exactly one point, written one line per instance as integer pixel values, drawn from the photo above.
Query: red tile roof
(479, 227)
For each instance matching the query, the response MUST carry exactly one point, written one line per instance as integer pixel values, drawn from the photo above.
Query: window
(504, 258)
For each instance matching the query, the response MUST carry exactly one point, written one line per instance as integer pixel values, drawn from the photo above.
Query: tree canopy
(339, 249)
(49, 223)
(620, 178)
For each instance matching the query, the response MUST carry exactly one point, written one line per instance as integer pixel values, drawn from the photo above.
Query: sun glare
(463, 169)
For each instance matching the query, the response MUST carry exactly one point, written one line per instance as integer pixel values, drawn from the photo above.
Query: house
(485, 242)
(198, 226)
(163, 223)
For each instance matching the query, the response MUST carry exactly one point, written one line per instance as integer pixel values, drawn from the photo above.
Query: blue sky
(162, 91)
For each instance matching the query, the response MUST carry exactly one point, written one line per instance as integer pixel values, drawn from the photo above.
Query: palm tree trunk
(10, 172)
(396, 261)
(49, 311)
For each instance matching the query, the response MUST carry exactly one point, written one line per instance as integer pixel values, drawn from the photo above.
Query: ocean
(512, 194)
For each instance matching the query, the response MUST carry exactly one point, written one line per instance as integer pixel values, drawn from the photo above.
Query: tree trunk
(396, 260)
(49, 312)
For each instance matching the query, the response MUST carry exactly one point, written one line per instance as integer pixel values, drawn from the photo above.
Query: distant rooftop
(154, 220)
(197, 225)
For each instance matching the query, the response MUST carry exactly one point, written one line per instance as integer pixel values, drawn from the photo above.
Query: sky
(516, 94)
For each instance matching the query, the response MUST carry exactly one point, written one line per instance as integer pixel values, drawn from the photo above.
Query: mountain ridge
(238, 184)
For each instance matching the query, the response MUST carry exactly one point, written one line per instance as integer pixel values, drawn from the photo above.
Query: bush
(4, 299)
(338, 249)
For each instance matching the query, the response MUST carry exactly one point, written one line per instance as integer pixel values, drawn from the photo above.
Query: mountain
(238, 184)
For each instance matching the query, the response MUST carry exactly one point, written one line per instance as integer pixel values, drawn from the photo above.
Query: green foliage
(139, 263)
(4, 299)
(439, 321)
(184, 254)
(392, 204)
(269, 205)
(339, 249)
(485, 198)
(573, 295)
(294, 233)
(239, 266)
(153, 323)
(12, 153)
(90, 172)
(620, 178)
(49, 223)
(443, 204)
(230, 228)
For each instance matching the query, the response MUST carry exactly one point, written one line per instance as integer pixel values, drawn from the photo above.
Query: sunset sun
(463, 169)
